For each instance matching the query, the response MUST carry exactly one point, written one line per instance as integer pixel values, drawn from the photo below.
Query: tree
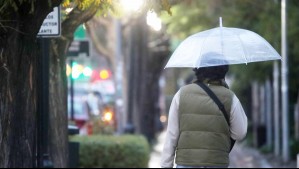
(20, 23)
(145, 68)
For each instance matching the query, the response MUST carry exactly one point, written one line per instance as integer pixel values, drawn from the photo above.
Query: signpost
(51, 26)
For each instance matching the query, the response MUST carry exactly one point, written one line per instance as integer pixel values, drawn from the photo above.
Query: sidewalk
(157, 151)
(240, 157)
(245, 157)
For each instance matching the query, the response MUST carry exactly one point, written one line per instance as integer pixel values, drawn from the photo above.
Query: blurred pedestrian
(199, 133)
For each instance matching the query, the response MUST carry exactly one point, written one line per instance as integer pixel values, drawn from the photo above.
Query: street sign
(51, 26)
(78, 47)
(80, 33)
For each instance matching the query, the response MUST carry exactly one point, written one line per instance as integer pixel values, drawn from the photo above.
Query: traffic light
(87, 71)
(78, 71)
(104, 74)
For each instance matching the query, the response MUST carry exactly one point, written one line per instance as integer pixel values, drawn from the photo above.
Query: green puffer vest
(204, 133)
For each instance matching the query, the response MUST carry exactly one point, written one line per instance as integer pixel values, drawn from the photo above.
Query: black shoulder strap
(216, 100)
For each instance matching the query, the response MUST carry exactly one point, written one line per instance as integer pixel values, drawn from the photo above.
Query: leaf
(66, 3)
(166, 6)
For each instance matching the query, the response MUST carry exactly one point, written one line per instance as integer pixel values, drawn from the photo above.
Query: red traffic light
(103, 74)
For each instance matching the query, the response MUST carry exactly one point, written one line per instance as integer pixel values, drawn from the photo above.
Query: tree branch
(75, 18)
(98, 45)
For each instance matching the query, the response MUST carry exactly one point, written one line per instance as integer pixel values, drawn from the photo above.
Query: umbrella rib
(244, 49)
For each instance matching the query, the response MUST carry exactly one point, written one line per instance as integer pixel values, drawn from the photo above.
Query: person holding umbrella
(198, 134)
(206, 117)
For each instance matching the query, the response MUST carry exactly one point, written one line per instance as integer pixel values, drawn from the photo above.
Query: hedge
(107, 151)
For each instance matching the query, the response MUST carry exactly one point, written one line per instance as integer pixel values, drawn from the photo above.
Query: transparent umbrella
(221, 46)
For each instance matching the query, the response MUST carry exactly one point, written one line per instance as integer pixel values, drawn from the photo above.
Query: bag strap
(216, 100)
(219, 104)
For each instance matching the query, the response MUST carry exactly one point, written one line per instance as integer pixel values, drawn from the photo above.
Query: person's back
(198, 134)
(204, 134)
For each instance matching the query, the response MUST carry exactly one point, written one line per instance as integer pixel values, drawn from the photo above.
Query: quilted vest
(204, 133)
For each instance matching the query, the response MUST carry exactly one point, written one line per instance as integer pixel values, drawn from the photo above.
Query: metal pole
(130, 127)
(296, 115)
(119, 75)
(262, 105)
(284, 84)
(269, 117)
(43, 107)
(276, 109)
(255, 108)
(72, 91)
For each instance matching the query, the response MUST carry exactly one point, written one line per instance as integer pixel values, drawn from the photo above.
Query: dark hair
(211, 73)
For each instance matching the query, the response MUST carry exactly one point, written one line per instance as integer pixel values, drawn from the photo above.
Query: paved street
(240, 157)
(244, 157)
(157, 150)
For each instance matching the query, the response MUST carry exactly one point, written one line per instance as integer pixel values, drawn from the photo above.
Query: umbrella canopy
(221, 46)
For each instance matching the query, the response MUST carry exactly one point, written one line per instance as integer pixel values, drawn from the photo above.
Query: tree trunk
(17, 100)
(145, 68)
(58, 86)
(58, 131)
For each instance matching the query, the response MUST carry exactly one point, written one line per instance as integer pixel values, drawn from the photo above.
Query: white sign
(51, 25)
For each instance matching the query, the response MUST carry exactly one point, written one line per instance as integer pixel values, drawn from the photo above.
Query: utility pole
(255, 112)
(269, 117)
(276, 109)
(284, 84)
(119, 76)
(130, 126)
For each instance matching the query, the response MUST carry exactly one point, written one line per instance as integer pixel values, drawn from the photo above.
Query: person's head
(211, 73)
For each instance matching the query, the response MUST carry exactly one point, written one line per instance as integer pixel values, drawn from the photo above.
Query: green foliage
(7, 4)
(114, 6)
(126, 151)
(102, 6)
(101, 127)
(85, 4)
(266, 149)
(294, 147)
(158, 6)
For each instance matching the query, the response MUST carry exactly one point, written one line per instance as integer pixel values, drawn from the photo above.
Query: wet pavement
(240, 157)
(245, 157)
